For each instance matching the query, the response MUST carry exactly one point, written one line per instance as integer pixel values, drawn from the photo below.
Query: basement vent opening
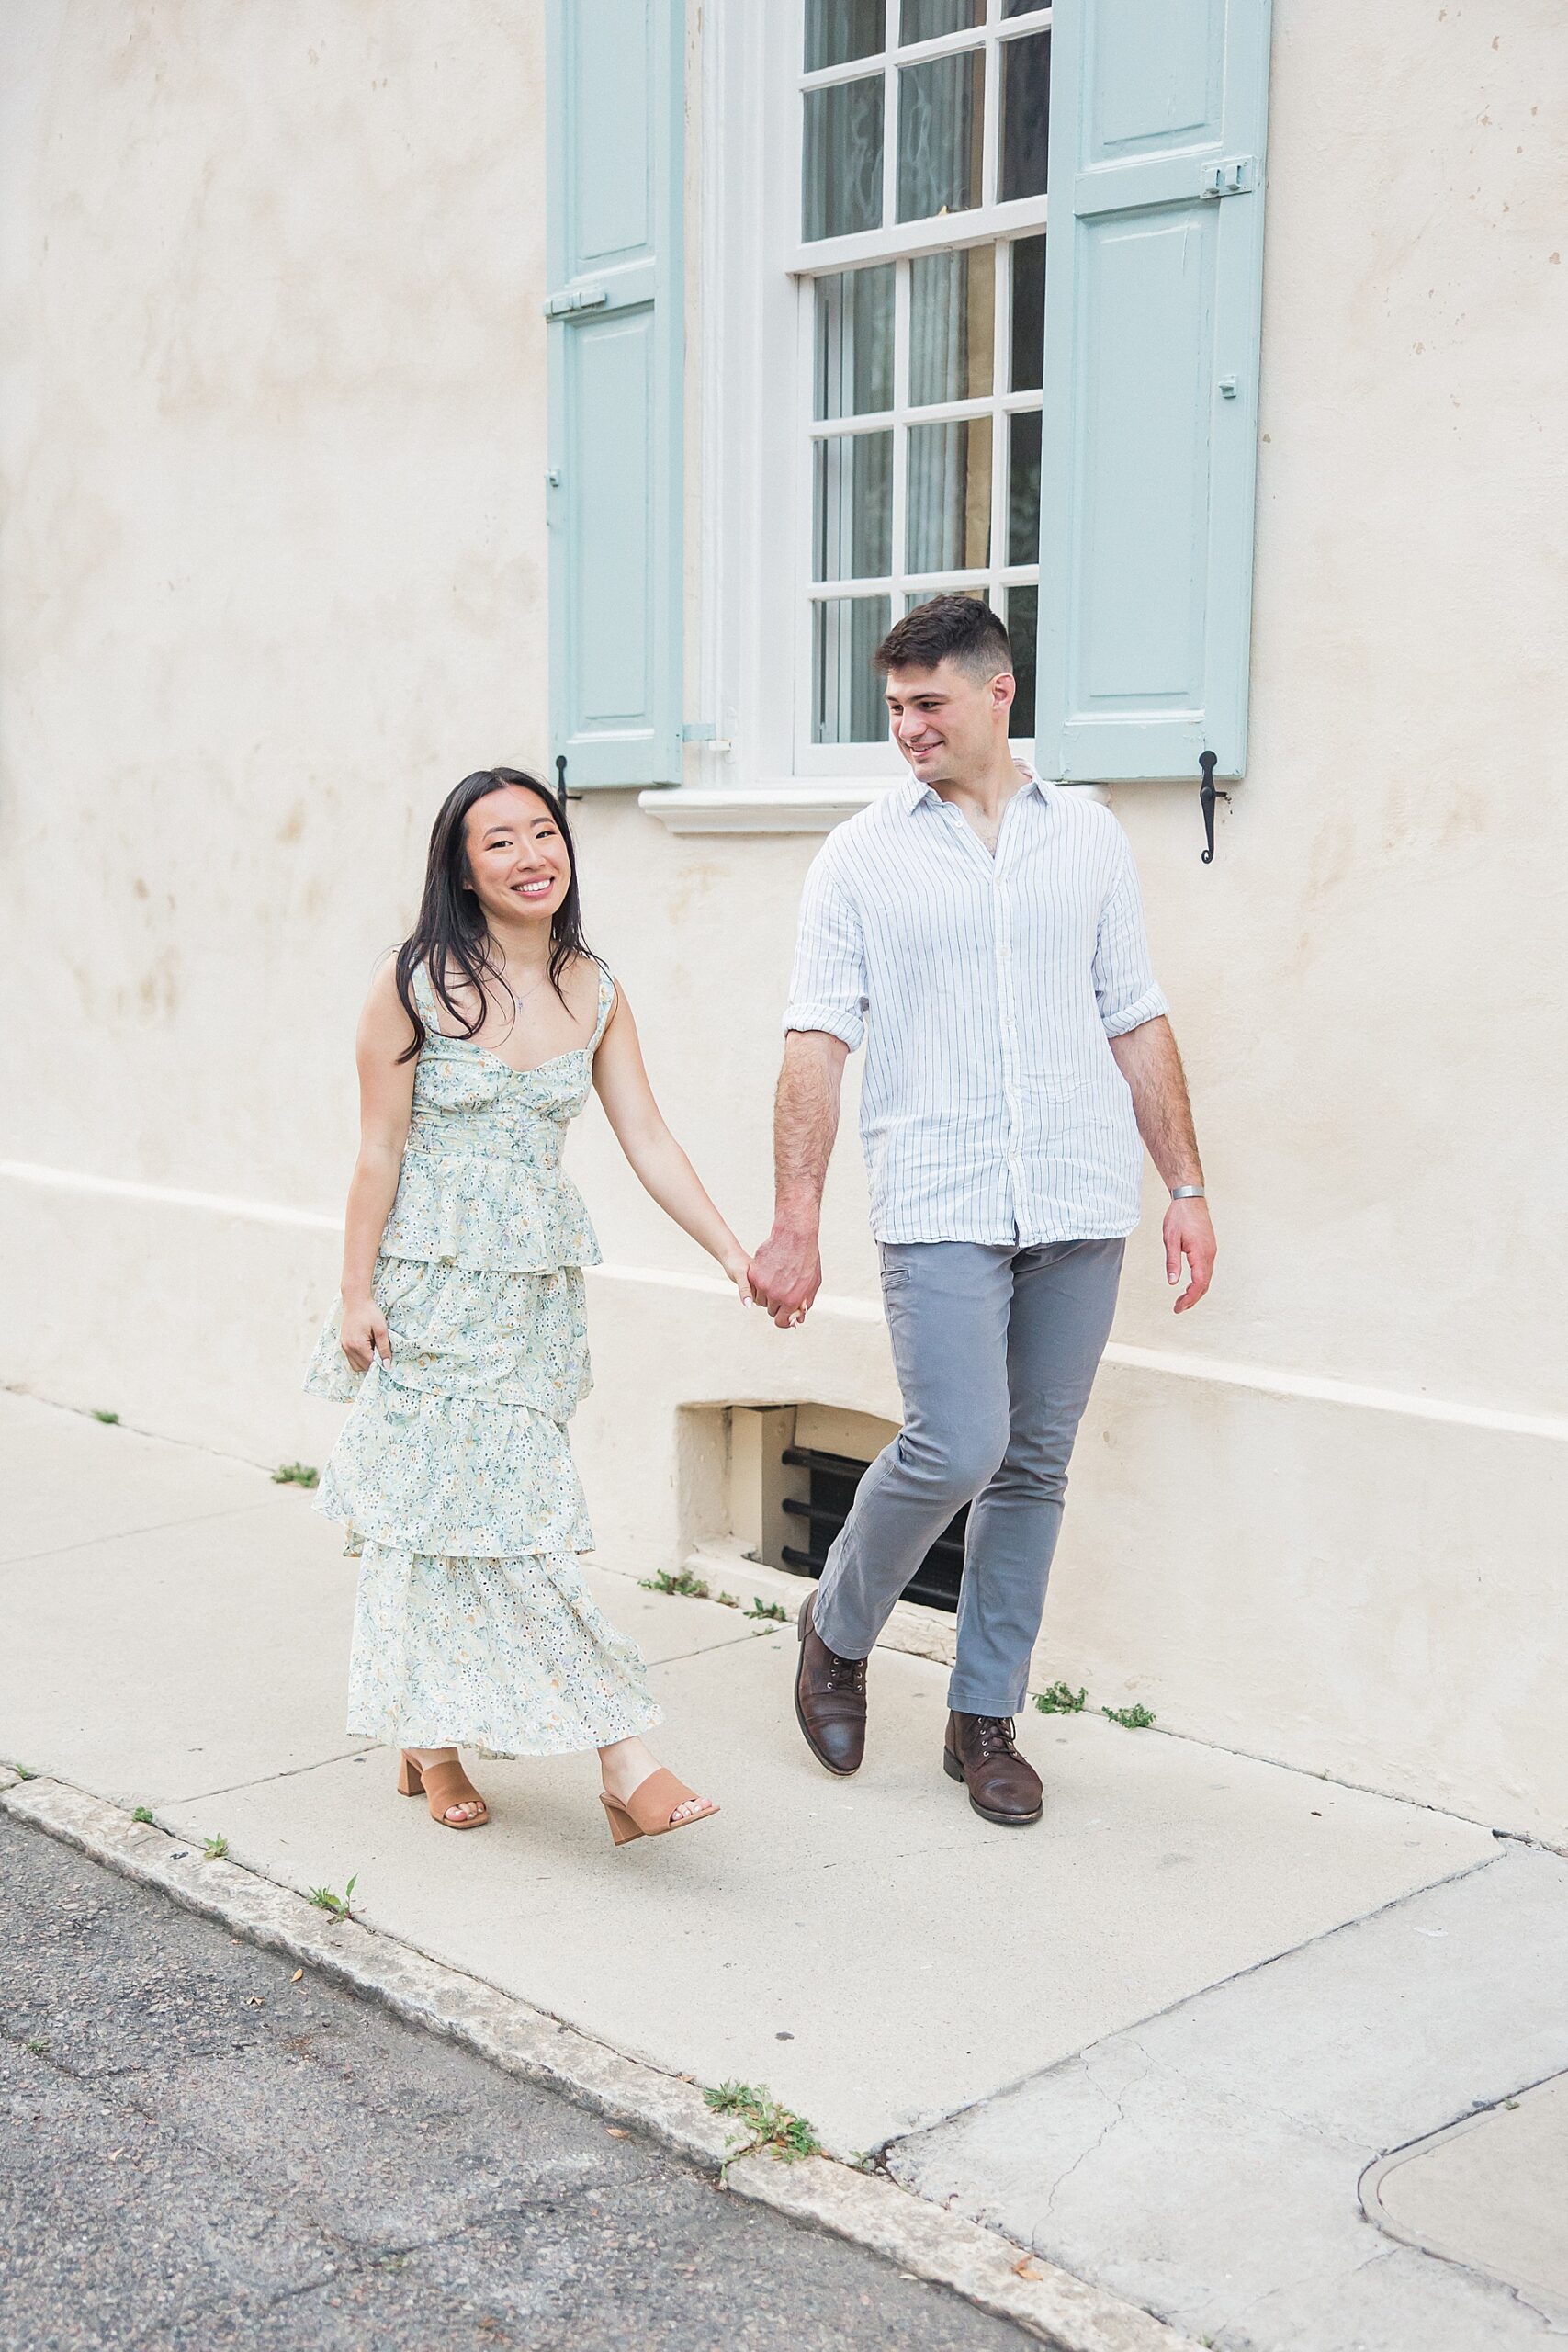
(793, 1471)
(833, 1481)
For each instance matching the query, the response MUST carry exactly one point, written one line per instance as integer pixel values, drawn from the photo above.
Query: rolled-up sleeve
(828, 988)
(1124, 985)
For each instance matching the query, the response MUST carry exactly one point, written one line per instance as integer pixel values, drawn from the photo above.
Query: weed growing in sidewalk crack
(143, 1812)
(337, 1906)
(680, 1581)
(108, 1418)
(296, 1474)
(38, 2044)
(1134, 1718)
(772, 2126)
(1060, 1701)
(774, 1609)
(215, 1849)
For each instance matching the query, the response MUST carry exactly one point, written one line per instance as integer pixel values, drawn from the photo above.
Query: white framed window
(865, 297)
(920, 280)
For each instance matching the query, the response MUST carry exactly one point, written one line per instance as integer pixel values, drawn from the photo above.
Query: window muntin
(922, 277)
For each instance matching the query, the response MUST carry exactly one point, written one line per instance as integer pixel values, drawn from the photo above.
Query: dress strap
(606, 1006)
(424, 998)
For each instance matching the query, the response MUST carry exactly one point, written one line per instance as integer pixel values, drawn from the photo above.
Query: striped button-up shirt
(987, 989)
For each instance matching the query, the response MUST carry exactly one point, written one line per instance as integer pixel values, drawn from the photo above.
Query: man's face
(945, 721)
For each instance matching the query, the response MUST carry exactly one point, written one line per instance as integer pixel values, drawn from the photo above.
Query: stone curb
(868, 2210)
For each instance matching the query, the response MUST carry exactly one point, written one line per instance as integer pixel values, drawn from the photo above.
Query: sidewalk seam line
(1190, 2000)
(876, 2212)
(264, 1780)
(128, 1535)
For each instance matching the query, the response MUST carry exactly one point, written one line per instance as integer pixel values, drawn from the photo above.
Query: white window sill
(784, 808)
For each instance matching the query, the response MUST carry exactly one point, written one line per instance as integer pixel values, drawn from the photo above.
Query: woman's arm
(660, 1164)
(385, 1100)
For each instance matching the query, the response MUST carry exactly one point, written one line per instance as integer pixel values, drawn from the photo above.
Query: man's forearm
(1150, 1061)
(805, 1122)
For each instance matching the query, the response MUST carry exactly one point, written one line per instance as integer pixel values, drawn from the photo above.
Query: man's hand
(786, 1273)
(1190, 1233)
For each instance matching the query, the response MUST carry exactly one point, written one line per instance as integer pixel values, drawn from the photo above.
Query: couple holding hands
(981, 932)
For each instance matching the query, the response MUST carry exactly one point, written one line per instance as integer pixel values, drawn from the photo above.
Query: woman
(460, 1334)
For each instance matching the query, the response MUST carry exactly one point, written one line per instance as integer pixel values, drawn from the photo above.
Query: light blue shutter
(1153, 299)
(614, 114)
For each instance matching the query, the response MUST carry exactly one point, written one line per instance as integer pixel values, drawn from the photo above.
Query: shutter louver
(1153, 308)
(615, 111)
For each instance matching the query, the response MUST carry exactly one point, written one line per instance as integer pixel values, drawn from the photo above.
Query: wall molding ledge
(1273, 1380)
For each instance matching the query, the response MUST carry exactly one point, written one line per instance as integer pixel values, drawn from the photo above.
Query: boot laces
(994, 1737)
(847, 1673)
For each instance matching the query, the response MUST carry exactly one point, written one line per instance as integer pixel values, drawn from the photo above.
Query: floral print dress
(452, 1475)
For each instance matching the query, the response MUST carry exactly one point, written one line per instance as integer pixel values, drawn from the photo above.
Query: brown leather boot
(1002, 1787)
(829, 1698)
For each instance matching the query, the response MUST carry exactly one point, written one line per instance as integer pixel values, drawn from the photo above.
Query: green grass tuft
(143, 1812)
(677, 1581)
(296, 1474)
(1134, 1718)
(773, 1609)
(337, 1905)
(1060, 1701)
(788, 2135)
(108, 1418)
(215, 1849)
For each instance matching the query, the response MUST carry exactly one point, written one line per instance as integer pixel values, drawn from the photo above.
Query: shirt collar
(912, 791)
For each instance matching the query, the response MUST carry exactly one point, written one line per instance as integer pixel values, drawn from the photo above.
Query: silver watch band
(1189, 1192)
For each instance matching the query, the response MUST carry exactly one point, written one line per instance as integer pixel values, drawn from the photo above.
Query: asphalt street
(200, 2152)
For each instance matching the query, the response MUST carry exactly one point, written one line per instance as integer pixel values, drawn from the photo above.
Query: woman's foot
(470, 1808)
(626, 1765)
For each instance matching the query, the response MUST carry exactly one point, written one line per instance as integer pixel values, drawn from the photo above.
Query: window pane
(1028, 314)
(941, 106)
(949, 494)
(837, 30)
(925, 20)
(1023, 628)
(841, 182)
(846, 693)
(1023, 489)
(854, 342)
(1026, 105)
(852, 507)
(1021, 7)
(951, 322)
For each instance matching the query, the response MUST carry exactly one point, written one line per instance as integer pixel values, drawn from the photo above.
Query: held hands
(1190, 1233)
(787, 1274)
(362, 1333)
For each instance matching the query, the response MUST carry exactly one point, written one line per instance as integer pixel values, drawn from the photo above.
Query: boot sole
(954, 1770)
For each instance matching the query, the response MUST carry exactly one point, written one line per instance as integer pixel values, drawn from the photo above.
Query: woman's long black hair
(451, 928)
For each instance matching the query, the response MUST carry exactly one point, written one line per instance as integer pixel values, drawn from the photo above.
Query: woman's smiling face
(518, 864)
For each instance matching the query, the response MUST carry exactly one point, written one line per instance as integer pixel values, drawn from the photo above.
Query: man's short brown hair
(948, 629)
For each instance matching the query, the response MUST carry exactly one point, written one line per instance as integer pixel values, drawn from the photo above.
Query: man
(983, 929)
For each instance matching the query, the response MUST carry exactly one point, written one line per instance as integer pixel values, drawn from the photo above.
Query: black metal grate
(834, 1477)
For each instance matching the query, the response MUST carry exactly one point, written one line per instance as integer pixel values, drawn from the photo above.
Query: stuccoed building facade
(391, 392)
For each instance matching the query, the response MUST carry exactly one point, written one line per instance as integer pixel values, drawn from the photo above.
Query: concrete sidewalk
(972, 2002)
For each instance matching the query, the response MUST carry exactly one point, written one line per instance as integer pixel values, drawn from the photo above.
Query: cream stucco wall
(272, 431)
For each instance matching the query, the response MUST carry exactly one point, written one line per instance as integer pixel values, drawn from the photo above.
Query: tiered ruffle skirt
(455, 1487)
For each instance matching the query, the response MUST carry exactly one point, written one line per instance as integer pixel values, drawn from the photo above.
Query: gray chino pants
(996, 1352)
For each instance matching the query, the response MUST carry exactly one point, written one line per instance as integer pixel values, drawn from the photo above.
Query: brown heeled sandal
(646, 1813)
(441, 1785)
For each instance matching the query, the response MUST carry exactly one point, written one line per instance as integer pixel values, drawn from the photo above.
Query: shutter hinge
(1236, 175)
(581, 297)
